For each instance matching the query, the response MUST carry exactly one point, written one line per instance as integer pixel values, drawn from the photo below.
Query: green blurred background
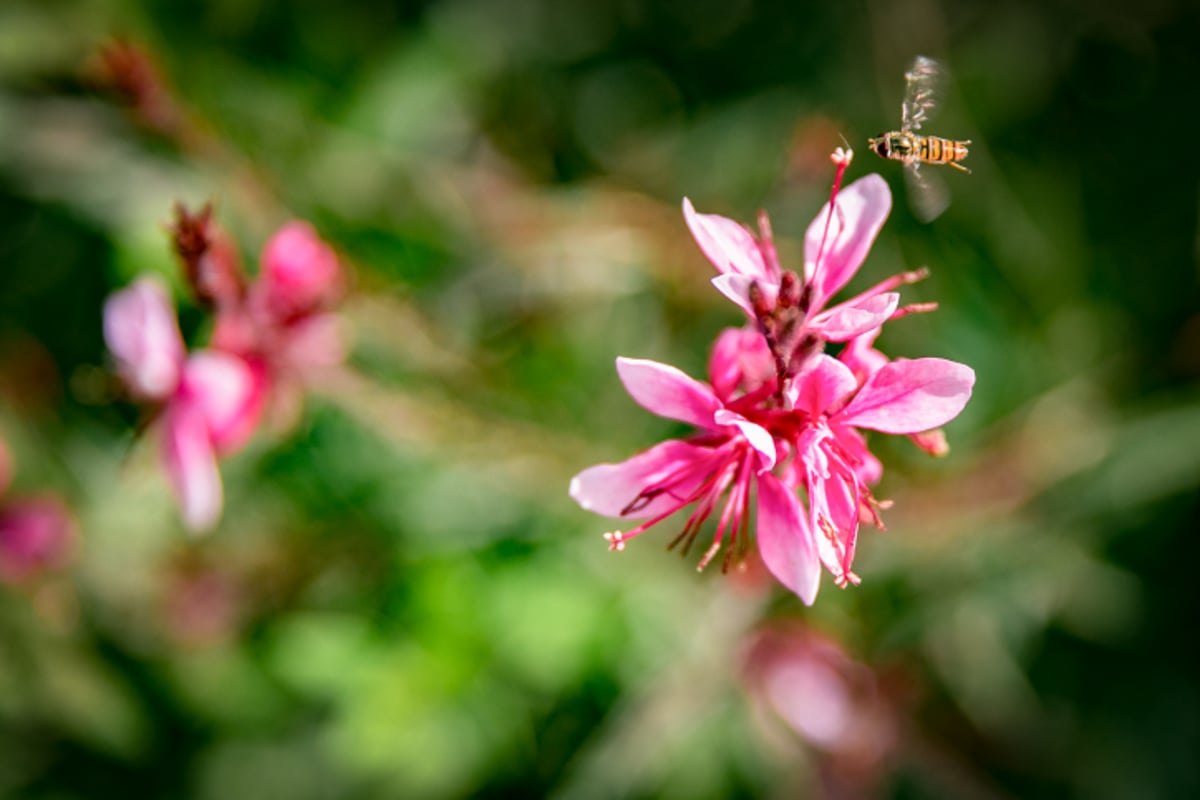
(401, 600)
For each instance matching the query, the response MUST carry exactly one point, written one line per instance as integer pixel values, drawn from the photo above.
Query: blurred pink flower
(37, 534)
(835, 704)
(282, 321)
(212, 401)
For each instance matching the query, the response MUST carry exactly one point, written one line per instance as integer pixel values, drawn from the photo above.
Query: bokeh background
(402, 601)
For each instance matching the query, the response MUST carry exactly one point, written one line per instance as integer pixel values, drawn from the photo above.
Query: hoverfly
(920, 96)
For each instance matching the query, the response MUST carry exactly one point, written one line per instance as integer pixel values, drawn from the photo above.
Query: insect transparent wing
(920, 93)
(927, 193)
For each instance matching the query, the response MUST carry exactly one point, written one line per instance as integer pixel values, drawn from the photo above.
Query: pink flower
(742, 441)
(834, 249)
(726, 458)
(901, 397)
(792, 311)
(37, 534)
(780, 416)
(281, 322)
(212, 401)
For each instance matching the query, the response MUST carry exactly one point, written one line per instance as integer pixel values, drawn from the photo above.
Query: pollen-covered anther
(914, 308)
(616, 541)
(847, 578)
(708, 555)
(842, 156)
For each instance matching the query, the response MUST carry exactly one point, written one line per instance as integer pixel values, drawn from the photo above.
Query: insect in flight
(929, 194)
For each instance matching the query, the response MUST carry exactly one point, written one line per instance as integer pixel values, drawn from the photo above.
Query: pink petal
(737, 289)
(910, 396)
(191, 465)
(143, 335)
(314, 342)
(824, 383)
(674, 466)
(833, 505)
(755, 434)
(729, 246)
(668, 392)
(740, 360)
(235, 330)
(862, 208)
(867, 468)
(846, 321)
(863, 359)
(299, 271)
(228, 393)
(785, 541)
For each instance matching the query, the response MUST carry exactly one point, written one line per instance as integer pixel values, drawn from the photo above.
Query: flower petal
(728, 245)
(668, 392)
(191, 466)
(867, 468)
(313, 343)
(833, 503)
(143, 335)
(862, 208)
(755, 434)
(823, 383)
(299, 271)
(785, 541)
(910, 396)
(845, 321)
(229, 394)
(663, 478)
(740, 360)
(861, 357)
(737, 288)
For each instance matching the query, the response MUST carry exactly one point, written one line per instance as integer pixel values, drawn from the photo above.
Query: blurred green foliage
(401, 600)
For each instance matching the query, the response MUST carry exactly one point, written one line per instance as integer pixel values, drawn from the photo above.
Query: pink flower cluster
(780, 422)
(269, 336)
(37, 533)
